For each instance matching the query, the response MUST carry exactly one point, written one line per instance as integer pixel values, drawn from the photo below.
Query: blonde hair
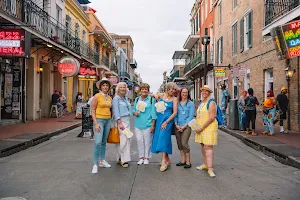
(144, 85)
(118, 87)
(170, 85)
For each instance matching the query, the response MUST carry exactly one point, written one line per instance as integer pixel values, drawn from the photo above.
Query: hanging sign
(291, 33)
(12, 42)
(68, 66)
(220, 72)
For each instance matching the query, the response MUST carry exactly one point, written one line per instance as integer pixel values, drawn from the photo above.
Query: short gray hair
(118, 87)
(170, 85)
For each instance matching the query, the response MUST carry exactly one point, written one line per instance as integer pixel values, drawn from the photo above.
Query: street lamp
(289, 72)
(205, 41)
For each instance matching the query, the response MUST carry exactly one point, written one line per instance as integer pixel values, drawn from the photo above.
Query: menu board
(79, 107)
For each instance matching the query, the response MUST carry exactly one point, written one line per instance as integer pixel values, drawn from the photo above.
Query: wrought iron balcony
(175, 75)
(277, 8)
(125, 75)
(133, 63)
(33, 16)
(114, 68)
(105, 61)
(198, 60)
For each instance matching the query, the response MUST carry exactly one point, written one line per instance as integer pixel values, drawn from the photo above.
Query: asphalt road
(60, 169)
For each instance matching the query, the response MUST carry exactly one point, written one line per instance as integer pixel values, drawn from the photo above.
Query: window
(202, 13)
(220, 50)
(235, 88)
(220, 12)
(58, 14)
(124, 50)
(246, 32)
(76, 30)
(206, 8)
(234, 39)
(268, 81)
(197, 23)
(234, 4)
(68, 23)
(211, 33)
(83, 35)
(123, 42)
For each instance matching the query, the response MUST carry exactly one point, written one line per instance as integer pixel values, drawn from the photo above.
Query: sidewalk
(284, 148)
(17, 137)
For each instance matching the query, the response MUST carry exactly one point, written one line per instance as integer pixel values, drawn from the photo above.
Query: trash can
(233, 115)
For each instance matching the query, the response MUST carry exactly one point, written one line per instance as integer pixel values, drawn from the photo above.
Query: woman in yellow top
(207, 133)
(101, 114)
(269, 113)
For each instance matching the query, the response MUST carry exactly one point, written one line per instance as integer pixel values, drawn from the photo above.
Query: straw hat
(104, 79)
(205, 87)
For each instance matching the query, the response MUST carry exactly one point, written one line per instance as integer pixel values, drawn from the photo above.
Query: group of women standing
(154, 127)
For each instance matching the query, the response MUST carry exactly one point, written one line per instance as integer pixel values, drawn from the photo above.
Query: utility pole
(205, 41)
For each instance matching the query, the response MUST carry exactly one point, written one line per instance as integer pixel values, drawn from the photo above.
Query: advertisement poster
(8, 86)
(79, 106)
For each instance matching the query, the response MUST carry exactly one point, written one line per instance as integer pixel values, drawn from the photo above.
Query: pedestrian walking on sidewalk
(250, 109)
(101, 114)
(207, 133)
(269, 111)
(241, 107)
(186, 111)
(224, 104)
(164, 124)
(144, 123)
(121, 113)
(282, 105)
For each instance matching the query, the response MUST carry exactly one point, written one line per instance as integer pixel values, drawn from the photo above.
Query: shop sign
(68, 66)
(287, 40)
(220, 72)
(114, 80)
(12, 42)
(291, 33)
(87, 71)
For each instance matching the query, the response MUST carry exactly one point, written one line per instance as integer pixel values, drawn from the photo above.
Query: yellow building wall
(70, 94)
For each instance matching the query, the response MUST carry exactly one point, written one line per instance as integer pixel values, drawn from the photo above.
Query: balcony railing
(198, 59)
(105, 61)
(114, 68)
(277, 8)
(41, 22)
(175, 75)
(125, 74)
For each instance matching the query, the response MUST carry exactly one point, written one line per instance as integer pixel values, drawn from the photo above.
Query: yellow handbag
(114, 136)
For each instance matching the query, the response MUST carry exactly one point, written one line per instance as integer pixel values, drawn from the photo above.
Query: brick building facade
(250, 51)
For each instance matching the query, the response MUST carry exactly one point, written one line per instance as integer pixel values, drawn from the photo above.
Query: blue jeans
(268, 121)
(100, 139)
(242, 117)
(224, 117)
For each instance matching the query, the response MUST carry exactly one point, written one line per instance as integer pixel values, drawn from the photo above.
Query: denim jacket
(120, 107)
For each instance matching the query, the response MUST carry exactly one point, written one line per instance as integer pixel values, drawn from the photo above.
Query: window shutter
(221, 52)
(218, 52)
(232, 40)
(250, 30)
(242, 35)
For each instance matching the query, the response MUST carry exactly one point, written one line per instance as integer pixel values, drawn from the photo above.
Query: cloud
(157, 27)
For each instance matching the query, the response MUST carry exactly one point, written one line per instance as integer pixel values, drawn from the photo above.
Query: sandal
(180, 164)
(125, 165)
(264, 133)
(270, 134)
(254, 134)
(164, 167)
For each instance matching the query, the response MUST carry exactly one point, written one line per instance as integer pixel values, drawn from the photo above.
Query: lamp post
(205, 41)
(289, 72)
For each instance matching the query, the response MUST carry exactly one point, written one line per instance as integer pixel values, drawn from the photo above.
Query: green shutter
(221, 54)
(242, 35)
(250, 29)
(218, 48)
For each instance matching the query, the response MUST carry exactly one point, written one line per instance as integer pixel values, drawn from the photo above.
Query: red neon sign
(68, 66)
(86, 71)
(12, 42)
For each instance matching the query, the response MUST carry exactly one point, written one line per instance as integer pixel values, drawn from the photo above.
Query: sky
(157, 27)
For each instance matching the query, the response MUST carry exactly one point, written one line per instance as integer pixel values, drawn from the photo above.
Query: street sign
(243, 72)
(220, 72)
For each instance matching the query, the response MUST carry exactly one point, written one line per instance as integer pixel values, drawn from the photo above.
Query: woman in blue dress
(164, 125)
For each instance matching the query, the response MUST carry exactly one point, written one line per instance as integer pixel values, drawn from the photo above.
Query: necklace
(106, 97)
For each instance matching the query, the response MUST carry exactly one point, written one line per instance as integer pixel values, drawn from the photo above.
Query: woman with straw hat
(207, 133)
(101, 114)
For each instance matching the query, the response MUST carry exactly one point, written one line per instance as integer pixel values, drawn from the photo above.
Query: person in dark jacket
(282, 105)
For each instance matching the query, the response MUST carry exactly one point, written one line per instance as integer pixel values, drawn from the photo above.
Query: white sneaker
(104, 164)
(146, 162)
(140, 162)
(95, 169)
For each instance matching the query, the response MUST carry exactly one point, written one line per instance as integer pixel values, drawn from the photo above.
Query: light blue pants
(268, 121)
(100, 139)
(242, 120)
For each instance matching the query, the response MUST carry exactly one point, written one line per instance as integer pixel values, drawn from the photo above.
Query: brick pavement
(45, 125)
